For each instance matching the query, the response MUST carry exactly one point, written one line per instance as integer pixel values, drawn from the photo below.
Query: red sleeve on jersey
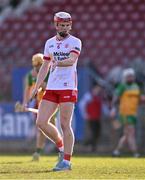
(46, 58)
(74, 51)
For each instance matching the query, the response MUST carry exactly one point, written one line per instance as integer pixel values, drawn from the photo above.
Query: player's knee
(39, 124)
(65, 126)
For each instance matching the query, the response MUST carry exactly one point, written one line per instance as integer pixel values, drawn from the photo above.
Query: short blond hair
(37, 59)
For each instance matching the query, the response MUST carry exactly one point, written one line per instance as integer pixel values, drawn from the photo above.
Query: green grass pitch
(84, 167)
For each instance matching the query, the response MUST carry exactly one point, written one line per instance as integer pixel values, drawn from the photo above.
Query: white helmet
(62, 17)
(128, 72)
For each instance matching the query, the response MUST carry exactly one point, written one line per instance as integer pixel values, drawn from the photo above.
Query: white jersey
(62, 78)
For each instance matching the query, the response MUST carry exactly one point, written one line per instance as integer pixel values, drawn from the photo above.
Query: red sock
(67, 157)
(59, 145)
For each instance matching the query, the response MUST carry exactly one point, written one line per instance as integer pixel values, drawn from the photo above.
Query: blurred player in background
(60, 54)
(128, 95)
(91, 109)
(30, 81)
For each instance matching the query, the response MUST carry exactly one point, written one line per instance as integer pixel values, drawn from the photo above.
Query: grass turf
(84, 167)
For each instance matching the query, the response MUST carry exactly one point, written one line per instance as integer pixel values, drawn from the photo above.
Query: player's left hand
(54, 64)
